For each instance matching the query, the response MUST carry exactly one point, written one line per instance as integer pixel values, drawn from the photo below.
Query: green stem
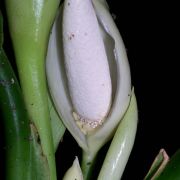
(172, 169)
(30, 22)
(121, 146)
(87, 164)
(36, 102)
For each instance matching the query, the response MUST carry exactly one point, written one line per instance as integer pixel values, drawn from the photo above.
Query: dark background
(149, 31)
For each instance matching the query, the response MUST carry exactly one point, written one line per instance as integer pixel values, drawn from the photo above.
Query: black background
(149, 31)
(150, 34)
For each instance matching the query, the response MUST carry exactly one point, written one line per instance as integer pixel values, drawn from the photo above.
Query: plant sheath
(30, 22)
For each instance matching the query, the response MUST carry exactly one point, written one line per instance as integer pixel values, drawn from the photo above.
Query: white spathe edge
(123, 89)
(56, 81)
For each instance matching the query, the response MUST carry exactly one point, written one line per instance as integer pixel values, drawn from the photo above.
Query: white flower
(62, 73)
(86, 64)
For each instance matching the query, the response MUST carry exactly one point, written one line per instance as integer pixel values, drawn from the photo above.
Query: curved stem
(121, 146)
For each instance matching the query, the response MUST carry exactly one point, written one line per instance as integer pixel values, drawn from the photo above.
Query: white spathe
(120, 78)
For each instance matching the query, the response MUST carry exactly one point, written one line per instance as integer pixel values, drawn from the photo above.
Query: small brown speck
(71, 36)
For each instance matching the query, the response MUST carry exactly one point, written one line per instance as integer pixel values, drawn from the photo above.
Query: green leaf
(172, 169)
(15, 120)
(158, 165)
